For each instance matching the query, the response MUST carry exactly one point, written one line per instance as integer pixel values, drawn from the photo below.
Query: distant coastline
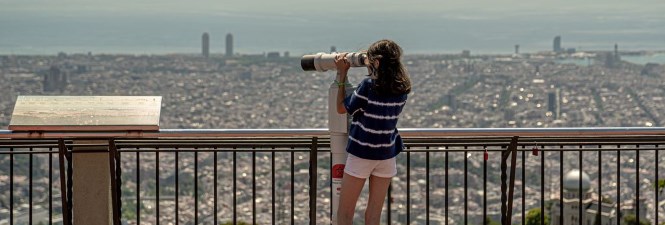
(638, 57)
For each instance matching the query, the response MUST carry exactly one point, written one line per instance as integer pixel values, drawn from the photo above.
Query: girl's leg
(378, 188)
(351, 187)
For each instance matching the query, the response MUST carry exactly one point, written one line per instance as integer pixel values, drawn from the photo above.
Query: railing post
(91, 193)
(115, 189)
(313, 172)
(66, 211)
(507, 192)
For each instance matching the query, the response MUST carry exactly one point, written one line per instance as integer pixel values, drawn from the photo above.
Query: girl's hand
(342, 64)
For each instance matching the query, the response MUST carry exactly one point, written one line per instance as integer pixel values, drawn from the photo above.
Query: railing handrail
(319, 132)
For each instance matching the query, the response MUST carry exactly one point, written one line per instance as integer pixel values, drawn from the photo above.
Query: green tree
(239, 223)
(489, 221)
(660, 184)
(631, 219)
(533, 217)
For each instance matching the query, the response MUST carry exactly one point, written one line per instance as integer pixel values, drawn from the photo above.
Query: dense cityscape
(559, 88)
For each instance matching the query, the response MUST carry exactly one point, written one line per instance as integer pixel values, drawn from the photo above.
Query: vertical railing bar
(523, 185)
(542, 185)
(600, 183)
(331, 186)
(408, 187)
(177, 182)
(618, 181)
(272, 184)
(235, 165)
(196, 186)
(50, 187)
(11, 187)
(313, 174)
(30, 187)
(214, 183)
(504, 177)
(657, 182)
(66, 216)
(485, 187)
(427, 185)
(114, 185)
(157, 186)
(70, 183)
(561, 160)
(512, 150)
(466, 195)
(637, 184)
(389, 203)
(579, 191)
(138, 187)
(446, 186)
(293, 184)
(253, 185)
(118, 178)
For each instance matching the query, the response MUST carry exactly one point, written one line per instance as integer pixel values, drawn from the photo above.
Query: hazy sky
(42, 26)
(343, 7)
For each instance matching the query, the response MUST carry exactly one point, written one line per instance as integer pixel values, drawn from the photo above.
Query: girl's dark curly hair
(392, 78)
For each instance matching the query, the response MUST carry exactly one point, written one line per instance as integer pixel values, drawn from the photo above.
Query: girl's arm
(342, 69)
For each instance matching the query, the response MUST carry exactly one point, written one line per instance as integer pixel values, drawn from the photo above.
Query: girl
(373, 137)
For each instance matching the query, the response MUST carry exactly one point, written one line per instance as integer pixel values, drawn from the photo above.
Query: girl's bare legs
(378, 188)
(351, 187)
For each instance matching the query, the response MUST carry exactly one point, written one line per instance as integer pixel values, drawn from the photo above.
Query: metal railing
(179, 176)
(18, 161)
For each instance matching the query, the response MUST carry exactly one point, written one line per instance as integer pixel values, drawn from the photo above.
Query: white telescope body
(338, 125)
(326, 61)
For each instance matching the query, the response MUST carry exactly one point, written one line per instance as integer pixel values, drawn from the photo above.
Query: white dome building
(571, 185)
(590, 202)
(572, 181)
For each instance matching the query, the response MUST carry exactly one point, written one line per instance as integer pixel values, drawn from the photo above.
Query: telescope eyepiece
(307, 63)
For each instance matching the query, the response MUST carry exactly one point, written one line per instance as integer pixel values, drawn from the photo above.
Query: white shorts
(363, 168)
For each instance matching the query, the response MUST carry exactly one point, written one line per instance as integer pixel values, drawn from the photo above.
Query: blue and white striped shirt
(373, 133)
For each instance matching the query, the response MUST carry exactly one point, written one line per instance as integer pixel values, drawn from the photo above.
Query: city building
(553, 100)
(451, 101)
(54, 80)
(466, 53)
(229, 45)
(205, 45)
(272, 55)
(610, 59)
(557, 44)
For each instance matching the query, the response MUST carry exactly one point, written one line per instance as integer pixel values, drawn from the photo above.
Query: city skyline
(38, 27)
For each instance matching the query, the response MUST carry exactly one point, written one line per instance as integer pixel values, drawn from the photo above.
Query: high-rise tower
(229, 45)
(517, 49)
(557, 44)
(205, 45)
(553, 100)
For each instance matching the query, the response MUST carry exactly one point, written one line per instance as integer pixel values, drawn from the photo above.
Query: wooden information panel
(86, 113)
